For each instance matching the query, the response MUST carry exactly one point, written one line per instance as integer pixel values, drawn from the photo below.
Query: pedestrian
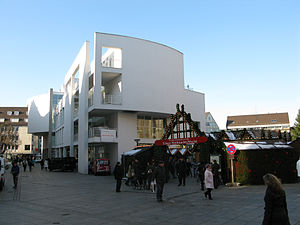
(118, 173)
(130, 174)
(201, 171)
(42, 162)
(209, 181)
(159, 175)
(46, 164)
(149, 172)
(276, 212)
(181, 171)
(194, 167)
(30, 164)
(137, 173)
(189, 168)
(172, 168)
(24, 163)
(215, 170)
(15, 170)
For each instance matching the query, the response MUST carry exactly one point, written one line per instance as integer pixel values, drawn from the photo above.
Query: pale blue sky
(243, 54)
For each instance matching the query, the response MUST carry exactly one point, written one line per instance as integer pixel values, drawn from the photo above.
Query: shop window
(27, 147)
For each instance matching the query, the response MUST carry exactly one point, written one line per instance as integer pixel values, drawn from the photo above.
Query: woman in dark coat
(276, 212)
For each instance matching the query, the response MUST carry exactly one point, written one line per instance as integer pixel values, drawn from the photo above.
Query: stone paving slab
(71, 198)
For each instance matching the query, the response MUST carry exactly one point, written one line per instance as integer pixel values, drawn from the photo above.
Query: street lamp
(137, 141)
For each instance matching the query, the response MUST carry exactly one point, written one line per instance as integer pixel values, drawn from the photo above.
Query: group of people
(275, 199)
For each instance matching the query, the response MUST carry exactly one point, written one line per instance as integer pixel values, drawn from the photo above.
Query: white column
(64, 152)
(83, 109)
(59, 152)
(97, 75)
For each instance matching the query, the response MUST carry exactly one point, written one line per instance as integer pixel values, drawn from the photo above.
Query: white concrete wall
(194, 103)
(127, 132)
(152, 77)
(38, 113)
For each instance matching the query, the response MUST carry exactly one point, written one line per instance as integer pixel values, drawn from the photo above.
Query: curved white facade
(128, 79)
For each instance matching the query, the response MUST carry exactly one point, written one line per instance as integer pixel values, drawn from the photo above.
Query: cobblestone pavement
(70, 198)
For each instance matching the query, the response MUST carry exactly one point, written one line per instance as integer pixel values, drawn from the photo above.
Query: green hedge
(252, 165)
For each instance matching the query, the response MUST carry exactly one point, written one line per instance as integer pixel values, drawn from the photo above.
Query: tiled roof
(258, 119)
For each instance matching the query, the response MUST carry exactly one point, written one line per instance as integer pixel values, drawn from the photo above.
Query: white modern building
(127, 92)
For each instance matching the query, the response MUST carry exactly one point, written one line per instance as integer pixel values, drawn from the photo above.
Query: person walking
(209, 181)
(201, 171)
(24, 163)
(215, 170)
(194, 168)
(181, 171)
(15, 170)
(30, 164)
(149, 172)
(46, 164)
(130, 174)
(276, 212)
(42, 162)
(118, 173)
(159, 175)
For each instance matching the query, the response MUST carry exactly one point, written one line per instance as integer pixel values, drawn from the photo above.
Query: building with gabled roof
(211, 124)
(270, 121)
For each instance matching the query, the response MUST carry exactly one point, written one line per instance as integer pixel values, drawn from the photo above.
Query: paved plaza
(71, 198)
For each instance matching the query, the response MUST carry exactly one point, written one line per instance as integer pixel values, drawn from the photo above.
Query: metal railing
(112, 99)
(105, 134)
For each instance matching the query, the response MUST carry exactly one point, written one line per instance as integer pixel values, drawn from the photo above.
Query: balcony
(112, 99)
(101, 134)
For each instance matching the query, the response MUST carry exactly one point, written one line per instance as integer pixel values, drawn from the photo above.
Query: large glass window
(150, 127)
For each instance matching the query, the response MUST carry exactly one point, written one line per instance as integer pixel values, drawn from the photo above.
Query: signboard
(181, 141)
(108, 135)
(231, 149)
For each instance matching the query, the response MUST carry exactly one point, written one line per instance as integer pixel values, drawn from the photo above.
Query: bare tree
(8, 137)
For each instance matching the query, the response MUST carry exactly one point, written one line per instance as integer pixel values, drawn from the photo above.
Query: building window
(14, 120)
(17, 147)
(111, 57)
(274, 121)
(26, 120)
(150, 127)
(9, 113)
(16, 113)
(2, 120)
(27, 147)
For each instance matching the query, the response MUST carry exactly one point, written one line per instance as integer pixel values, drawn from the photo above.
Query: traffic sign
(231, 149)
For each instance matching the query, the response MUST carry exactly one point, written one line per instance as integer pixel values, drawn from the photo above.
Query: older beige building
(270, 121)
(14, 138)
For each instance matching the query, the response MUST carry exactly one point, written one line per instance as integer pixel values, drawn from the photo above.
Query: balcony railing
(105, 134)
(112, 99)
